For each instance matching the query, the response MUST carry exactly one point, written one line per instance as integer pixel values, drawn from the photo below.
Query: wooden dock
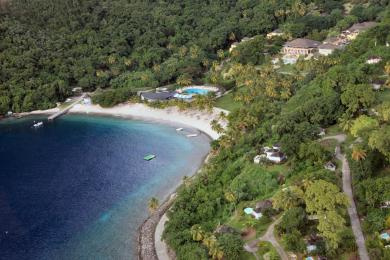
(66, 109)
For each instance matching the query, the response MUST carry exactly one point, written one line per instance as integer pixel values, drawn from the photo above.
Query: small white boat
(39, 124)
(180, 129)
(192, 135)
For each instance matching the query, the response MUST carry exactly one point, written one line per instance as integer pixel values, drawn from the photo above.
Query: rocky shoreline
(146, 244)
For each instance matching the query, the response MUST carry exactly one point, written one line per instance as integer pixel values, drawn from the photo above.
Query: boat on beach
(192, 135)
(149, 157)
(179, 129)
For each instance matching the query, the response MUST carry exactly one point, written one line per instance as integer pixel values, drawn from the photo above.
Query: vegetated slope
(49, 46)
(336, 90)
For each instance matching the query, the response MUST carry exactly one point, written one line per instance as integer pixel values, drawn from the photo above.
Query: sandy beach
(193, 118)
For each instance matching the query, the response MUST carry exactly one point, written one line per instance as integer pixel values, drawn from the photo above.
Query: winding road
(347, 188)
(269, 237)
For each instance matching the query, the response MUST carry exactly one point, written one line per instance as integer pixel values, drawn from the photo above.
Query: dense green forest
(289, 108)
(49, 47)
(118, 47)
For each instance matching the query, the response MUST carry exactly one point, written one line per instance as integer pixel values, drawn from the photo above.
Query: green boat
(149, 157)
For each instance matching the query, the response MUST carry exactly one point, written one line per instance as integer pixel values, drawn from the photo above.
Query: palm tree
(216, 252)
(184, 80)
(358, 153)
(250, 223)
(345, 123)
(222, 115)
(153, 205)
(197, 233)
(216, 126)
(209, 240)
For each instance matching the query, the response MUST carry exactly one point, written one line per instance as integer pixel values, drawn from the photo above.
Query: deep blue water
(78, 188)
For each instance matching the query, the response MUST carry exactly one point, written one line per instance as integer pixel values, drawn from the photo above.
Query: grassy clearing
(333, 130)
(227, 102)
(384, 95)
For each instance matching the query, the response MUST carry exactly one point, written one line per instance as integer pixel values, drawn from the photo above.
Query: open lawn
(227, 102)
(239, 220)
(384, 95)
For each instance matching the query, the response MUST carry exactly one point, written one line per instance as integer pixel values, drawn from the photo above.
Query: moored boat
(38, 124)
(149, 157)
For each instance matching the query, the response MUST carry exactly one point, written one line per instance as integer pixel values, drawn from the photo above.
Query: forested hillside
(289, 105)
(48, 47)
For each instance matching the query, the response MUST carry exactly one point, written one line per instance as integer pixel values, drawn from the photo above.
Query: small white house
(275, 33)
(330, 166)
(311, 248)
(385, 205)
(277, 157)
(258, 158)
(274, 154)
(322, 132)
(377, 84)
(87, 101)
(374, 60)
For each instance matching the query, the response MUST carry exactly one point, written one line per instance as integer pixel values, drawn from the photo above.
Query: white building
(330, 166)
(374, 60)
(326, 49)
(271, 154)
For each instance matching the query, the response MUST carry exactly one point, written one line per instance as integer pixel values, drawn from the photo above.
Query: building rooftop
(158, 96)
(361, 26)
(302, 43)
(329, 46)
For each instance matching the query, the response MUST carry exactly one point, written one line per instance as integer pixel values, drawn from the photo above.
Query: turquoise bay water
(78, 188)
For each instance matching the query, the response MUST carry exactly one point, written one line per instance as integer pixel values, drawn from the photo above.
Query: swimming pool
(197, 91)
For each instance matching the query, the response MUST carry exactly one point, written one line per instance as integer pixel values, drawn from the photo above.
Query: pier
(66, 109)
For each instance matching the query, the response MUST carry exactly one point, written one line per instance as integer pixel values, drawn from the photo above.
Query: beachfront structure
(352, 32)
(300, 47)
(87, 101)
(157, 96)
(185, 93)
(275, 33)
(330, 166)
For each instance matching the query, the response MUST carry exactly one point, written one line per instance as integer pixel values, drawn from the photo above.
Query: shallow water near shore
(78, 187)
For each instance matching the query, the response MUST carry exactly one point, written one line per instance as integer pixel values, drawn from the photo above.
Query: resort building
(157, 96)
(300, 47)
(326, 49)
(275, 33)
(352, 32)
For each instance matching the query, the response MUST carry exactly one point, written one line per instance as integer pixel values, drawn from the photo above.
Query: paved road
(161, 247)
(347, 188)
(269, 237)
